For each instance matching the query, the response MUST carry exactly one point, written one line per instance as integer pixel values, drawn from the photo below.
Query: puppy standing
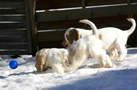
(115, 38)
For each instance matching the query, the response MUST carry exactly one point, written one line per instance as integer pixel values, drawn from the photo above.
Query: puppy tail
(92, 25)
(132, 28)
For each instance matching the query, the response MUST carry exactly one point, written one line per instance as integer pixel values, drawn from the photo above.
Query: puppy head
(71, 36)
(40, 61)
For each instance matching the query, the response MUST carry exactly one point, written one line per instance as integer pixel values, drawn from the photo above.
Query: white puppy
(63, 60)
(115, 38)
(87, 46)
(107, 35)
(50, 60)
(73, 34)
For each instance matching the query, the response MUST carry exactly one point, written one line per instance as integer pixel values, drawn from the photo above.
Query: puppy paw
(110, 66)
(112, 58)
(100, 66)
(119, 60)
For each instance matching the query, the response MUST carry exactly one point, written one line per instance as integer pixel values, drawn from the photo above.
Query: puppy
(66, 60)
(73, 34)
(50, 60)
(107, 35)
(114, 38)
(89, 45)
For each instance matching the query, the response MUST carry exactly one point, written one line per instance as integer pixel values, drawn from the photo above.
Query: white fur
(80, 52)
(114, 38)
(89, 45)
(81, 32)
(63, 60)
(54, 59)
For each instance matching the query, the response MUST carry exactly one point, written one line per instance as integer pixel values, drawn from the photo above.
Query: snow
(123, 75)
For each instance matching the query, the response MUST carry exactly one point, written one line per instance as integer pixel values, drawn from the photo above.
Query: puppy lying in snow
(65, 60)
(50, 60)
(112, 38)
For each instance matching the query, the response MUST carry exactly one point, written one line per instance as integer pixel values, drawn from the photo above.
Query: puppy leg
(108, 62)
(58, 68)
(55, 69)
(101, 62)
(123, 52)
(105, 60)
(113, 54)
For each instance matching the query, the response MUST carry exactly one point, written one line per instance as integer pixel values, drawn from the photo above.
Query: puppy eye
(66, 46)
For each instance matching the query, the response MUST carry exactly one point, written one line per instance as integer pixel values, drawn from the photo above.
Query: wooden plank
(12, 18)
(12, 25)
(99, 22)
(107, 2)
(5, 40)
(12, 11)
(50, 36)
(12, 40)
(11, 4)
(12, 0)
(83, 3)
(51, 44)
(28, 24)
(58, 25)
(30, 16)
(86, 13)
(10, 52)
(13, 46)
(12, 32)
(57, 44)
(50, 4)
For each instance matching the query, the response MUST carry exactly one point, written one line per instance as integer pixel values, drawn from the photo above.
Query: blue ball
(13, 64)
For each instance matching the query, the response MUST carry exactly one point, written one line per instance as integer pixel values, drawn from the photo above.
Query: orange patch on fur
(100, 36)
(40, 61)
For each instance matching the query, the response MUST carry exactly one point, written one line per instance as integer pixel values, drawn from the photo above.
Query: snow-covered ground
(123, 76)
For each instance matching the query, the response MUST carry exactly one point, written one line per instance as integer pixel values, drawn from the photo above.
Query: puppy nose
(66, 45)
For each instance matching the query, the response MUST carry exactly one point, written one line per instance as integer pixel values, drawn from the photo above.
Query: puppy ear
(63, 43)
(40, 61)
(73, 36)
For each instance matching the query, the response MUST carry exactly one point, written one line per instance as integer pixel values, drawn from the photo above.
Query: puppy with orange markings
(66, 60)
(50, 60)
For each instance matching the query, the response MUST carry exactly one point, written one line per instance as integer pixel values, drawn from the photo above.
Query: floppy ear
(73, 36)
(63, 43)
(40, 61)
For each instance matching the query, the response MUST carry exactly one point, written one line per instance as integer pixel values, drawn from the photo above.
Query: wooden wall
(29, 25)
(60, 20)
(15, 34)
